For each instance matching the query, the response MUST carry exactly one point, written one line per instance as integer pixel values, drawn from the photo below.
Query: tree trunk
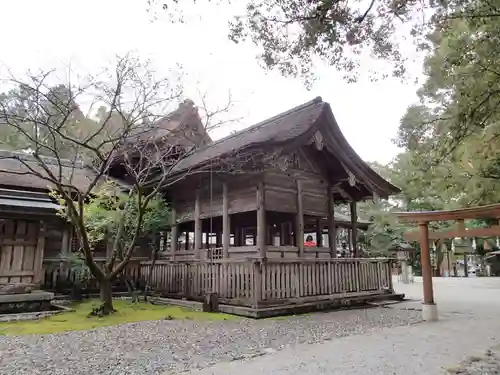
(106, 297)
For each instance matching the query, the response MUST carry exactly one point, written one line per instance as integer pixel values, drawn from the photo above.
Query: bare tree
(75, 154)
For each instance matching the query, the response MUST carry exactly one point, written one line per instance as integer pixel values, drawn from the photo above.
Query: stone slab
(34, 315)
(282, 310)
(27, 297)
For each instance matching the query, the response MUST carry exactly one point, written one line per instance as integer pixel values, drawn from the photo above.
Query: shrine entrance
(423, 218)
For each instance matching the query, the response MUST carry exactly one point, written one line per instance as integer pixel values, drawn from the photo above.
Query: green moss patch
(127, 312)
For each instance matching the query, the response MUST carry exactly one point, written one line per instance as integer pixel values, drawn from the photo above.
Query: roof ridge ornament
(317, 140)
(351, 178)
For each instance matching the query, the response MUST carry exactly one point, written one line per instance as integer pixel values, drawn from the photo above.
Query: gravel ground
(486, 364)
(468, 325)
(421, 349)
(149, 348)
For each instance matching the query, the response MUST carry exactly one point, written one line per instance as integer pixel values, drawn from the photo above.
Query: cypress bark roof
(294, 128)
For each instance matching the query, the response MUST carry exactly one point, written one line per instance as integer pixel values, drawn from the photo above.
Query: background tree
(110, 209)
(52, 126)
(292, 33)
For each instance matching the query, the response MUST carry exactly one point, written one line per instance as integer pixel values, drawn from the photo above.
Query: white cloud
(90, 33)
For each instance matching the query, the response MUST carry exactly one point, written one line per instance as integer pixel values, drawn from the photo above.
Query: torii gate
(423, 218)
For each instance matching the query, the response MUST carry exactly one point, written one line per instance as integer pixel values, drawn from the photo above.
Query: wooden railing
(59, 277)
(253, 282)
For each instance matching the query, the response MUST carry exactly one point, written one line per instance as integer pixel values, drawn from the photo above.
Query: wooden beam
(226, 227)
(174, 232)
(332, 228)
(261, 221)
(491, 211)
(473, 232)
(299, 226)
(12, 273)
(354, 228)
(197, 226)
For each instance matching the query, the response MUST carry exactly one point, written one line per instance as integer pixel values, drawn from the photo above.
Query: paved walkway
(469, 325)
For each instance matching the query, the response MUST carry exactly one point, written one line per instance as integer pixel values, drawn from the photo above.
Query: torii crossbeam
(423, 218)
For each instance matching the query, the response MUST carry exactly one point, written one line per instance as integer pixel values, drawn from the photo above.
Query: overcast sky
(89, 33)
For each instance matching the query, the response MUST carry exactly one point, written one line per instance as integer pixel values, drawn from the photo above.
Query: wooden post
(460, 226)
(226, 227)
(466, 266)
(319, 233)
(65, 242)
(284, 237)
(237, 236)
(261, 220)
(40, 247)
(197, 226)
(257, 286)
(428, 309)
(332, 230)
(354, 229)
(66, 249)
(173, 233)
(299, 228)
(218, 238)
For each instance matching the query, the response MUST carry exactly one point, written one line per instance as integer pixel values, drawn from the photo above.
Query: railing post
(389, 275)
(187, 277)
(257, 287)
(358, 274)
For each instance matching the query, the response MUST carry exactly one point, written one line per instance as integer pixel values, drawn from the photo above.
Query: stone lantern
(403, 251)
(463, 246)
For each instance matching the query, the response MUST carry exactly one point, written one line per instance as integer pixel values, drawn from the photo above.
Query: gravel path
(468, 325)
(149, 348)
(485, 364)
(422, 349)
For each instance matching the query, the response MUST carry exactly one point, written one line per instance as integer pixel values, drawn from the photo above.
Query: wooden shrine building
(244, 205)
(243, 210)
(260, 191)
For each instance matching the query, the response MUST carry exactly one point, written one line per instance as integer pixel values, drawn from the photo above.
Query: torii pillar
(429, 307)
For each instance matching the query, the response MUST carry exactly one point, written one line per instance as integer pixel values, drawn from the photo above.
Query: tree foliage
(110, 207)
(450, 139)
(292, 34)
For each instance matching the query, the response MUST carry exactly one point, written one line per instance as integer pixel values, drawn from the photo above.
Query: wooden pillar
(237, 236)
(354, 229)
(39, 250)
(65, 242)
(299, 226)
(173, 233)
(197, 227)
(261, 221)
(332, 230)
(460, 226)
(319, 233)
(226, 225)
(425, 258)
(218, 238)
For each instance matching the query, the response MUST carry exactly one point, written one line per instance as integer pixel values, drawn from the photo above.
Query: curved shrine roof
(295, 127)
